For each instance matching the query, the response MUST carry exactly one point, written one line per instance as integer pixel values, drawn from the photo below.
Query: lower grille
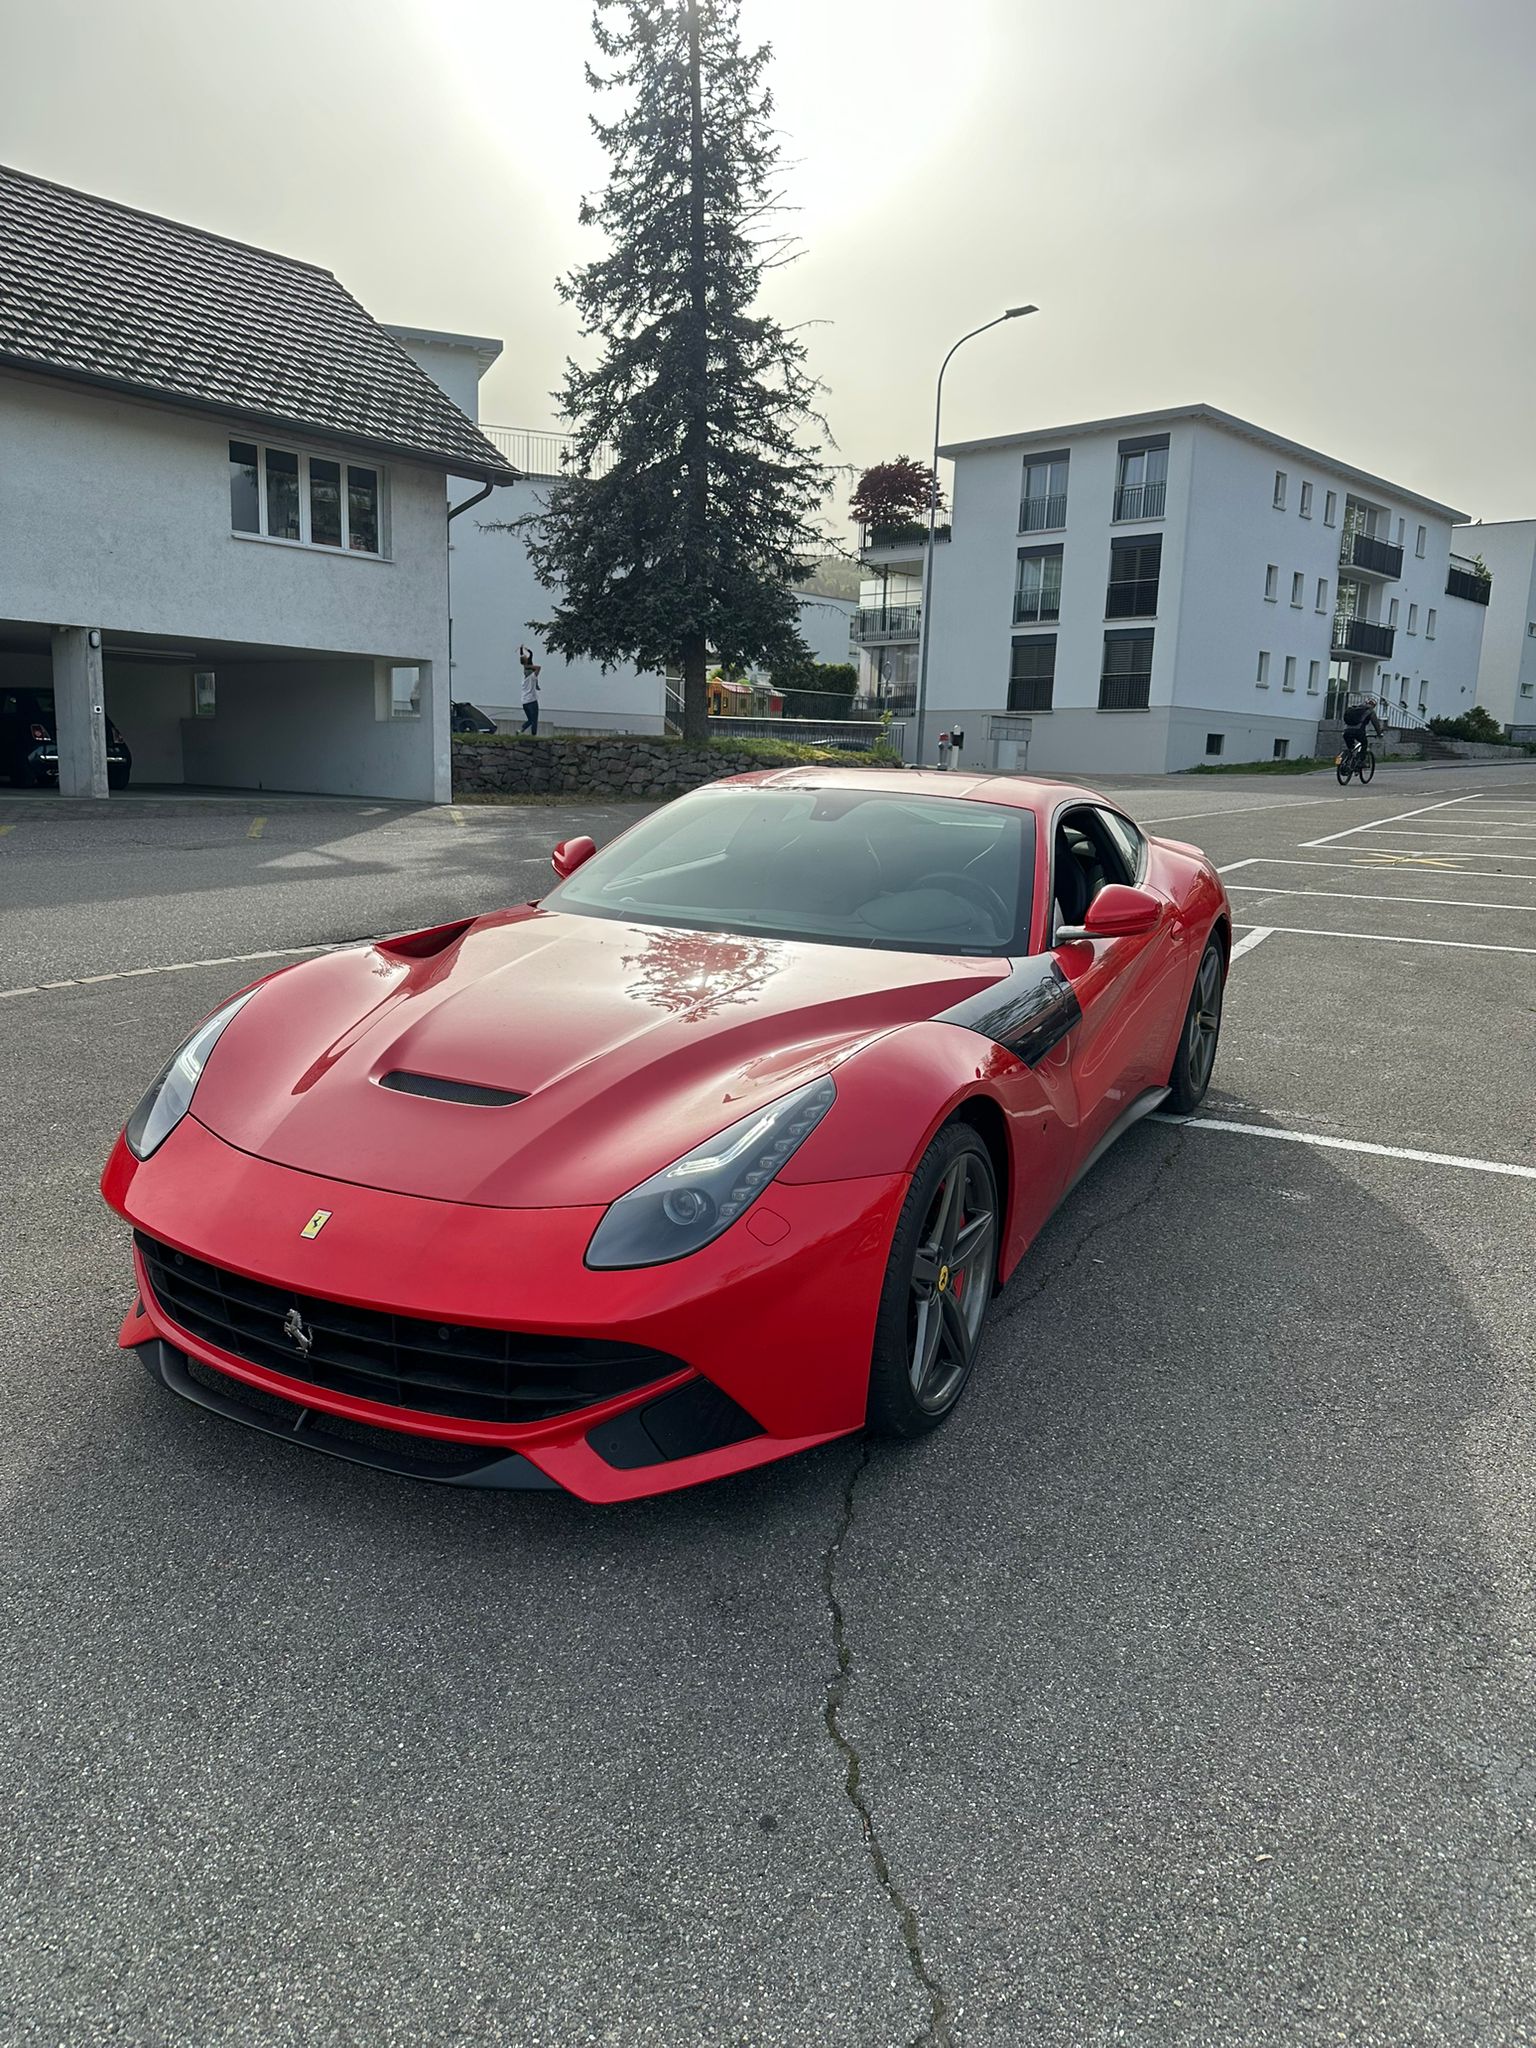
(477, 1375)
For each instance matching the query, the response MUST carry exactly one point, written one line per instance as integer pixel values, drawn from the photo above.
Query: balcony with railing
(1128, 691)
(1367, 556)
(1141, 501)
(899, 540)
(881, 624)
(1469, 580)
(1041, 514)
(542, 456)
(1363, 636)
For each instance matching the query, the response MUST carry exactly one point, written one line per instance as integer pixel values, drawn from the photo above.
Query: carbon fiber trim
(1028, 1012)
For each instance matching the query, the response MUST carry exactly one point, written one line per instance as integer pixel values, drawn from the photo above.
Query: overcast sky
(1319, 214)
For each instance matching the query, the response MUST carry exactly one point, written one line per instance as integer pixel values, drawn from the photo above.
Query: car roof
(1020, 792)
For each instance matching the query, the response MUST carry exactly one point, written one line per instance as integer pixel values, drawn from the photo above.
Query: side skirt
(1154, 1098)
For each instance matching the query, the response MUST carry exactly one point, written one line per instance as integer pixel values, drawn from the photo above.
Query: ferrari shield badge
(316, 1223)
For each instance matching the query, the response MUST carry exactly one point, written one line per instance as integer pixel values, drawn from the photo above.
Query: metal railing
(1141, 501)
(1364, 551)
(1465, 579)
(1036, 607)
(900, 533)
(1031, 693)
(1134, 598)
(1125, 693)
(1363, 636)
(541, 455)
(1038, 515)
(887, 622)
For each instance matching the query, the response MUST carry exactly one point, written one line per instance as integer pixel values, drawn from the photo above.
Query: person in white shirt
(530, 690)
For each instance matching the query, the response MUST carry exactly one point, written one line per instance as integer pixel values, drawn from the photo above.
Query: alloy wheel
(1204, 1021)
(951, 1282)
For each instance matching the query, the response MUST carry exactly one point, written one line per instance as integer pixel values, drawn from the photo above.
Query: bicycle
(1356, 759)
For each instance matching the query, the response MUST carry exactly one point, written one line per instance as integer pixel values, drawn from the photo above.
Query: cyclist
(1360, 714)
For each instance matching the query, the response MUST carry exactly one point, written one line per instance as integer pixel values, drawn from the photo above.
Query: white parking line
(1449, 853)
(1409, 865)
(1311, 931)
(1359, 896)
(1221, 1123)
(1374, 824)
(1256, 937)
(173, 967)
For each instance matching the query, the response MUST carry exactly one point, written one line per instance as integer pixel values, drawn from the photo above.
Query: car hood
(625, 1045)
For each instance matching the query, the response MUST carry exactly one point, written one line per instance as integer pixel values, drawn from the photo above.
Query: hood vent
(438, 1090)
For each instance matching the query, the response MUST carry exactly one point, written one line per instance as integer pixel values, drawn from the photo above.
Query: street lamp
(925, 617)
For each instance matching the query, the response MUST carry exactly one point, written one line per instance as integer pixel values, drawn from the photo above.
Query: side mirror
(569, 855)
(1115, 913)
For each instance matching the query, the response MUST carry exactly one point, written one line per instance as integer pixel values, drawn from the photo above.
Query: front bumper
(778, 1315)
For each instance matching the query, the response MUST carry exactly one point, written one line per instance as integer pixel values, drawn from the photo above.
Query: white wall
(495, 599)
(116, 514)
(329, 709)
(150, 703)
(1507, 655)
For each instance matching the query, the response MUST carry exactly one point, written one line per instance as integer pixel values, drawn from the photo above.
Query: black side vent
(450, 1091)
(698, 1416)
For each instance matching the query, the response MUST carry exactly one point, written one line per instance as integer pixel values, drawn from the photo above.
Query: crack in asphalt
(936, 2033)
(1143, 1200)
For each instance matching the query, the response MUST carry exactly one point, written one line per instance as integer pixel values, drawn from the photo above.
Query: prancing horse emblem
(298, 1332)
(316, 1223)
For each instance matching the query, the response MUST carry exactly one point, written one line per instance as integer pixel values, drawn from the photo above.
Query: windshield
(918, 874)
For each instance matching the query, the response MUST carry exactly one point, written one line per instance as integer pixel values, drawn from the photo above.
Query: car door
(1114, 1050)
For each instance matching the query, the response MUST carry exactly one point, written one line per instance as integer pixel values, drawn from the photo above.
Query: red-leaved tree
(892, 493)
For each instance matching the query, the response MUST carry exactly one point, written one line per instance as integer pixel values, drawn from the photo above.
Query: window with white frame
(1330, 507)
(1306, 501)
(1392, 612)
(1314, 677)
(1429, 624)
(1279, 490)
(1423, 695)
(404, 693)
(1298, 589)
(1423, 538)
(1402, 691)
(1401, 523)
(1322, 593)
(1282, 750)
(1263, 675)
(1272, 583)
(1413, 618)
(1214, 742)
(317, 501)
(1290, 673)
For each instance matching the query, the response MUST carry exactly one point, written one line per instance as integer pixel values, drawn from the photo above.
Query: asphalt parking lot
(1179, 1691)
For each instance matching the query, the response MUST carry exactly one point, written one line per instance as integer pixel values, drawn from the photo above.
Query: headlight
(689, 1203)
(167, 1100)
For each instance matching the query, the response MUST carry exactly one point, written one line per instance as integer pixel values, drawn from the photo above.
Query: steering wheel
(979, 894)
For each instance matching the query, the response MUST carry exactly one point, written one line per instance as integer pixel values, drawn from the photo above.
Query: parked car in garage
(29, 746)
(469, 718)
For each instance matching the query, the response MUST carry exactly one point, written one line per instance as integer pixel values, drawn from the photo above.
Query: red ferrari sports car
(717, 1152)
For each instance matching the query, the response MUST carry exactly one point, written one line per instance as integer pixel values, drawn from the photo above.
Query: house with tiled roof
(224, 520)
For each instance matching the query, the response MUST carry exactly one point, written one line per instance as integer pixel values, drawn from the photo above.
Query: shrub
(1476, 724)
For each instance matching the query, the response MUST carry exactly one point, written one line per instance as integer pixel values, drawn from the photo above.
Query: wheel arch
(985, 1117)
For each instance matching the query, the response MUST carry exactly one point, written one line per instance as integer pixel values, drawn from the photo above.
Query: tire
(117, 778)
(1367, 765)
(1195, 1059)
(1343, 771)
(928, 1330)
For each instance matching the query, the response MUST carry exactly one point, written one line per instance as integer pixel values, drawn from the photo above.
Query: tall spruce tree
(690, 502)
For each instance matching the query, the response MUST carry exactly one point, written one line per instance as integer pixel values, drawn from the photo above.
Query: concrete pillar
(79, 710)
(436, 717)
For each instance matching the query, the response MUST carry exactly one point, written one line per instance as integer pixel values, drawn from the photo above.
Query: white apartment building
(1169, 588)
(1506, 675)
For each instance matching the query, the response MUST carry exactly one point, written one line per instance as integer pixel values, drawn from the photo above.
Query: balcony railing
(1039, 515)
(1141, 501)
(535, 453)
(1125, 693)
(900, 533)
(1133, 599)
(1031, 693)
(1363, 636)
(1465, 579)
(887, 622)
(1376, 557)
(1034, 608)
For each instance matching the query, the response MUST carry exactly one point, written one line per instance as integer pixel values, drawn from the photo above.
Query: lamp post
(925, 620)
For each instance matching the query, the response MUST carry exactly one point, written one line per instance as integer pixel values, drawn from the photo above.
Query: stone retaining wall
(629, 765)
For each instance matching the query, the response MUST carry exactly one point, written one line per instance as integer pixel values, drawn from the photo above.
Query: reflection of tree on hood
(698, 973)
